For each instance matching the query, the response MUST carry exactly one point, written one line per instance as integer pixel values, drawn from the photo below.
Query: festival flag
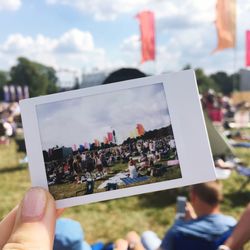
(140, 129)
(105, 140)
(19, 91)
(26, 92)
(6, 91)
(248, 48)
(114, 136)
(97, 143)
(226, 24)
(136, 132)
(147, 28)
(110, 136)
(74, 147)
(12, 93)
(86, 145)
(131, 134)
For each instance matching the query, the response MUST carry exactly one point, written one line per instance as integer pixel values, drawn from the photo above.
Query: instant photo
(112, 141)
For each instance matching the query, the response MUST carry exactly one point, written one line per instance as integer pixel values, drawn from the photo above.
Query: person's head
(206, 197)
(69, 235)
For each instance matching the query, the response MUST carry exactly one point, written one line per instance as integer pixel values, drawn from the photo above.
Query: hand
(30, 225)
(190, 213)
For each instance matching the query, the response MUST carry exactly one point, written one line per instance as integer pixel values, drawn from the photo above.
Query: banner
(226, 24)
(248, 48)
(147, 28)
(6, 93)
(110, 136)
(140, 129)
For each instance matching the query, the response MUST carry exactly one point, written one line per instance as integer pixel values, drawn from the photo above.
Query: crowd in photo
(140, 156)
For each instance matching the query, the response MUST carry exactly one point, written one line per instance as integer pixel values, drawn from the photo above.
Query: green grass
(67, 190)
(110, 220)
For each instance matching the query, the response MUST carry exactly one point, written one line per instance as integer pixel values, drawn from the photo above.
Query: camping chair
(184, 241)
(245, 171)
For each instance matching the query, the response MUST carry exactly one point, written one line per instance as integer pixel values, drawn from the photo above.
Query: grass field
(67, 190)
(113, 219)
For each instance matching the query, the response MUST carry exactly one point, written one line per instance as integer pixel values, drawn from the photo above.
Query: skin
(241, 233)
(30, 226)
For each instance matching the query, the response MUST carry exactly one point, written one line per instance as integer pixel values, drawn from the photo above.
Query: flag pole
(234, 69)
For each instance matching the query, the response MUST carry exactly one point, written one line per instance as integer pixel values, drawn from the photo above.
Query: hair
(209, 192)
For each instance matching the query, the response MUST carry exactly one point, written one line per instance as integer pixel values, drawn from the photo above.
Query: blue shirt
(208, 227)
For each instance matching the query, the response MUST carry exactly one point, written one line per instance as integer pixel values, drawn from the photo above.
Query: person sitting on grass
(132, 169)
(203, 219)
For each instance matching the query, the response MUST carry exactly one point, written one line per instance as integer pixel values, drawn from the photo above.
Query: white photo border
(187, 122)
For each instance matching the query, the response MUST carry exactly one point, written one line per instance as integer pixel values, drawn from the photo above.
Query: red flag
(110, 136)
(248, 48)
(147, 28)
(226, 24)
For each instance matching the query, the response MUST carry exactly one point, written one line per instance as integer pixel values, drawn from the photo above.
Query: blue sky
(81, 120)
(88, 35)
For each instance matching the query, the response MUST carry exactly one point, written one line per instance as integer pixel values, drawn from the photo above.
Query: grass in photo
(108, 141)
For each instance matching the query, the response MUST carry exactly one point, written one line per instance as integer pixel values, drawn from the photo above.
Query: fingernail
(34, 204)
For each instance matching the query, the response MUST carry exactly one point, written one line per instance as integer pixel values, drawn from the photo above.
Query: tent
(218, 143)
(124, 74)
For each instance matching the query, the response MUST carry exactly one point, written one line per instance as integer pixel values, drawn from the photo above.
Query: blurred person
(69, 236)
(203, 219)
(132, 169)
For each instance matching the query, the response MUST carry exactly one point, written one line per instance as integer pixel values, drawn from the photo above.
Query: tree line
(42, 79)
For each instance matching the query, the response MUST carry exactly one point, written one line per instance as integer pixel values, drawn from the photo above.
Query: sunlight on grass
(113, 219)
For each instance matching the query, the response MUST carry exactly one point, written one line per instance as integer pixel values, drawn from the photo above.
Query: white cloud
(146, 105)
(10, 5)
(74, 49)
(111, 9)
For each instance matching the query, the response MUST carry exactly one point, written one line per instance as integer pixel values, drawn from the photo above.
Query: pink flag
(248, 48)
(147, 28)
(110, 136)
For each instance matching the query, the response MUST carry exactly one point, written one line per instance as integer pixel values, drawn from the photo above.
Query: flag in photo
(110, 136)
(147, 29)
(225, 24)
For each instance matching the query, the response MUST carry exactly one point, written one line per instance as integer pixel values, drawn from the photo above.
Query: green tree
(223, 81)
(3, 81)
(205, 82)
(39, 78)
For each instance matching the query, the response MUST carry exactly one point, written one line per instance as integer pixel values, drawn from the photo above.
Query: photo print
(118, 140)
(108, 141)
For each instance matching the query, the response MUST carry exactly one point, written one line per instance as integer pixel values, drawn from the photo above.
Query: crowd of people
(140, 157)
(222, 110)
(203, 227)
(10, 121)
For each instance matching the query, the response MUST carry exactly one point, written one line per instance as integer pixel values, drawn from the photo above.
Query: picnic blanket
(115, 179)
(129, 181)
(241, 145)
(243, 170)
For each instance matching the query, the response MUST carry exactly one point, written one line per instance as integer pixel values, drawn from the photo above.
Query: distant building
(244, 80)
(66, 78)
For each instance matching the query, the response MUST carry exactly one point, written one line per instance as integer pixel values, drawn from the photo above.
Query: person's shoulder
(225, 219)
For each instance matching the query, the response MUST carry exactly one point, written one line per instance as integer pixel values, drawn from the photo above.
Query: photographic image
(108, 141)
(117, 140)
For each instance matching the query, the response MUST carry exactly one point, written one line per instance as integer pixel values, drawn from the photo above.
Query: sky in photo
(87, 35)
(81, 120)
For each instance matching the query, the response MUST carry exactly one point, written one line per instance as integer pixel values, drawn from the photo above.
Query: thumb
(35, 222)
